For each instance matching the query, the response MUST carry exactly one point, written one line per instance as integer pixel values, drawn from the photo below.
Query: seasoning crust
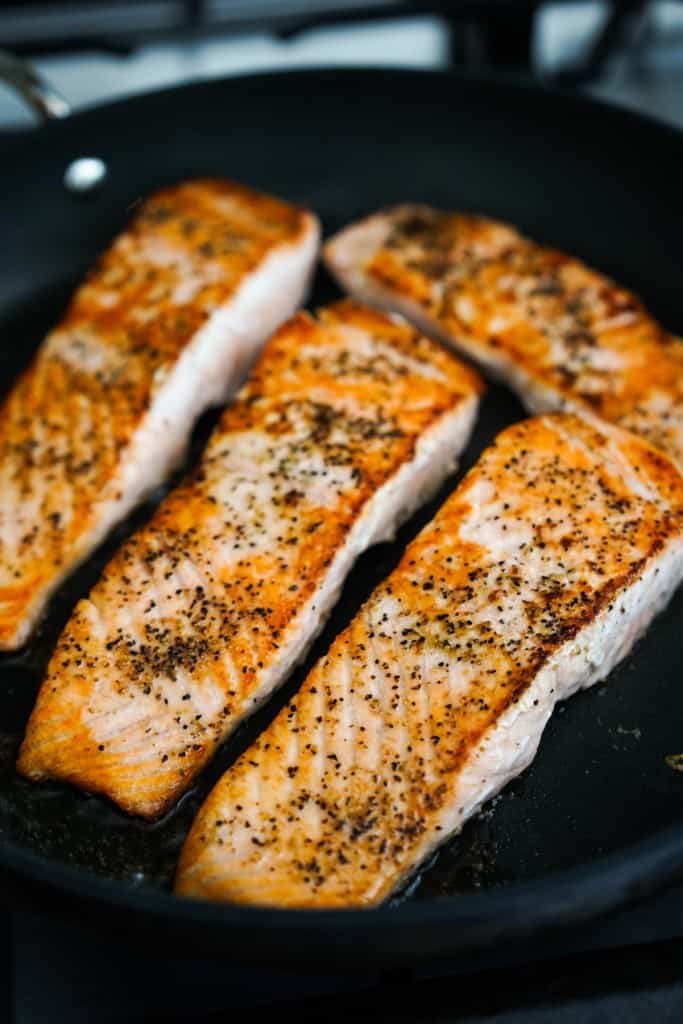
(535, 577)
(100, 415)
(205, 609)
(560, 334)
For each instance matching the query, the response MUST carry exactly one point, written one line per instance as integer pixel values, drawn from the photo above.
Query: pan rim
(468, 79)
(560, 898)
(525, 907)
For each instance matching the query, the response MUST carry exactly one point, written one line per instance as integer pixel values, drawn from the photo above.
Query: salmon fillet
(559, 334)
(534, 579)
(166, 325)
(347, 423)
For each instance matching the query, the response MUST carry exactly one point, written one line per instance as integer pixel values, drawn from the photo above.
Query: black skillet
(597, 822)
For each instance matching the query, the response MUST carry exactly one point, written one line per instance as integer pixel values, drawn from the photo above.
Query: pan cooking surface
(605, 187)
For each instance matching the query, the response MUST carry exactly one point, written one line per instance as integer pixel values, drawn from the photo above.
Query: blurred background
(629, 51)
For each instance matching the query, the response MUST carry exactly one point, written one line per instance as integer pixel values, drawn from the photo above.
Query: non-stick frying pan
(598, 819)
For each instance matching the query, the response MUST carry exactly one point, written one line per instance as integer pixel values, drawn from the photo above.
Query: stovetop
(627, 968)
(647, 75)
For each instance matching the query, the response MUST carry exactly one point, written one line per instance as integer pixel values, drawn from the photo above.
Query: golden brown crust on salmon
(562, 335)
(69, 466)
(535, 578)
(201, 613)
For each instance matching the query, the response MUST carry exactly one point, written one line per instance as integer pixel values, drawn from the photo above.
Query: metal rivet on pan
(85, 174)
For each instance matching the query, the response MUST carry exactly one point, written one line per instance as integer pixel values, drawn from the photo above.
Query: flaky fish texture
(561, 335)
(347, 423)
(533, 580)
(166, 325)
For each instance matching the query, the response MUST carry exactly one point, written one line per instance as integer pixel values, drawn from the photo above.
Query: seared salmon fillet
(346, 424)
(166, 325)
(534, 579)
(561, 335)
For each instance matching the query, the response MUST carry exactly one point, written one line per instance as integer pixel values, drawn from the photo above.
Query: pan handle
(82, 175)
(33, 89)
